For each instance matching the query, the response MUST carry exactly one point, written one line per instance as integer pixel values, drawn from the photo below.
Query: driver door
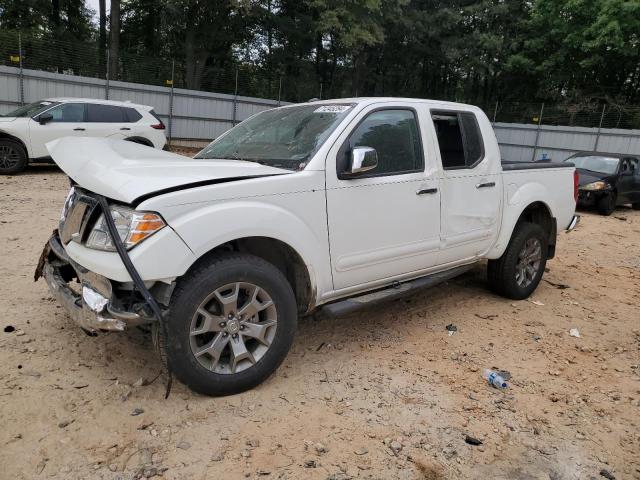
(629, 182)
(68, 121)
(385, 222)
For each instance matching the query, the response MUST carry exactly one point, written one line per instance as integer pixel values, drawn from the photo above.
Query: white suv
(25, 132)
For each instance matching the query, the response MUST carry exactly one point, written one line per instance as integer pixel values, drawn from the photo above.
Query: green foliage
(478, 51)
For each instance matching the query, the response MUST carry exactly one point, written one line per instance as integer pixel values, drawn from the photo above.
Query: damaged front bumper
(96, 306)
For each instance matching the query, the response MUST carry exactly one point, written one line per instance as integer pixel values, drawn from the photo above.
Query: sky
(93, 5)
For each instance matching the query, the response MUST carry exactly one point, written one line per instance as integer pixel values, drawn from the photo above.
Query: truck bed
(509, 165)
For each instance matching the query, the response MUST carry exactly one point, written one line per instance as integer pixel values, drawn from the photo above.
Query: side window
(132, 115)
(459, 139)
(626, 166)
(68, 112)
(105, 113)
(630, 164)
(396, 138)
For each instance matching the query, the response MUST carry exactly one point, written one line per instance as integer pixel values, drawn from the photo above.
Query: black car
(607, 180)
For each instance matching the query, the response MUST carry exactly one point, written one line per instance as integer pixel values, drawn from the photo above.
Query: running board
(397, 290)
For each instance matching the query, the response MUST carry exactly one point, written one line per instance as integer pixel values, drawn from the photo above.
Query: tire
(635, 206)
(203, 290)
(607, 204)
(505, 276)
(13, 157)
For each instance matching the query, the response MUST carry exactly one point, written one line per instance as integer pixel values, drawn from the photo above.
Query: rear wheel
(13, 157)
(635, 206)
(607, 204)
(230, 325)
(517, 273)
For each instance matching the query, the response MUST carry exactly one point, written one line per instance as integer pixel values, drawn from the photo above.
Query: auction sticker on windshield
(332, 109)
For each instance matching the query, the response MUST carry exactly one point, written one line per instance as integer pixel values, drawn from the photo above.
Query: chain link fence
(570, 115)
(86, 59)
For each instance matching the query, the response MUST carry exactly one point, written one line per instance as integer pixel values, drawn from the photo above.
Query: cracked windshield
(283, 138)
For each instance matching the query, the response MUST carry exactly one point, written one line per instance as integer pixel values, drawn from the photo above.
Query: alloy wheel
(233, 328)
(9, 156)
(529, 261)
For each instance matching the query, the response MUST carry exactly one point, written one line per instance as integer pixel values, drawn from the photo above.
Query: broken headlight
(133, 227)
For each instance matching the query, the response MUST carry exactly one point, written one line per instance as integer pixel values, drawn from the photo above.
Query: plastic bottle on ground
(494, 379)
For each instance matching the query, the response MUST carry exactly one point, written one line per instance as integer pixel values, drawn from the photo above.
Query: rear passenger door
(107, 121)
(471, 185)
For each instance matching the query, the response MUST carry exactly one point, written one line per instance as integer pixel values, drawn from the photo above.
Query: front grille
(78, 214)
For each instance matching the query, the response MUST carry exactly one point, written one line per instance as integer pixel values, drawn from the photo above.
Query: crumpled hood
(586, 176)
(126, 171)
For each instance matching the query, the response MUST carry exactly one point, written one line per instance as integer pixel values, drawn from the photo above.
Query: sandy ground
(383, 394)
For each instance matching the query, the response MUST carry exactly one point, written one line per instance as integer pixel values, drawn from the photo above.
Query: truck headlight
(133, 227)
(595, 186)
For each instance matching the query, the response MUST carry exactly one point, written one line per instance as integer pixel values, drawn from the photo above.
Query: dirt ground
(386, 393)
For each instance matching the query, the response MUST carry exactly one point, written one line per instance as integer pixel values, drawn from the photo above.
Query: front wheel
(517, 273)
(607, 204)
(230, 324)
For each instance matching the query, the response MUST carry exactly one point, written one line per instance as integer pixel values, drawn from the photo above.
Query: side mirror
(363, 159)
(45, 118)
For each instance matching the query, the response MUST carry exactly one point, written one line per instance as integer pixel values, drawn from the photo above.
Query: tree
(114, 34)
(102, 21)
(477, 51)
(585, 48)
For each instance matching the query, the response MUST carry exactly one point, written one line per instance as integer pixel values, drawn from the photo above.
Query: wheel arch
(281, 255)
(538, 212)
(535, 211)
(7, 136)
(140, 140)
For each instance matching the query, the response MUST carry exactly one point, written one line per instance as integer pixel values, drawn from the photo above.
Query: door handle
(125, 128)
(79, 129)
(486, 185)
(426, 191)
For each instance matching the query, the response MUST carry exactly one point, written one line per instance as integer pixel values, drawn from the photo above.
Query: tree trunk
(102, 41)
(55, 14)
(114, 44)
(189, 58)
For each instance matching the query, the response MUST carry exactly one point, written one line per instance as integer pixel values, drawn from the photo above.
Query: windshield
(29, 110)
(284, 137)
(608, 165)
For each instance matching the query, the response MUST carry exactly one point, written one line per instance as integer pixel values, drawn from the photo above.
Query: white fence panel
(204, 116)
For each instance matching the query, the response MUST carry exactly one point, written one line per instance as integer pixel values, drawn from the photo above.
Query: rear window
(155, 115)
(105, 113)
(459, 139)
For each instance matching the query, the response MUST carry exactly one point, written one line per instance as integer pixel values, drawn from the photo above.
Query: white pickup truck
(334, 204)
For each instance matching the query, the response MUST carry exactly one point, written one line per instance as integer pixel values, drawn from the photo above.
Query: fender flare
(516, 203)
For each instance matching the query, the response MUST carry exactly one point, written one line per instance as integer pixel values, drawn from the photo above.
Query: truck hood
(7, 119)
(127, 172)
